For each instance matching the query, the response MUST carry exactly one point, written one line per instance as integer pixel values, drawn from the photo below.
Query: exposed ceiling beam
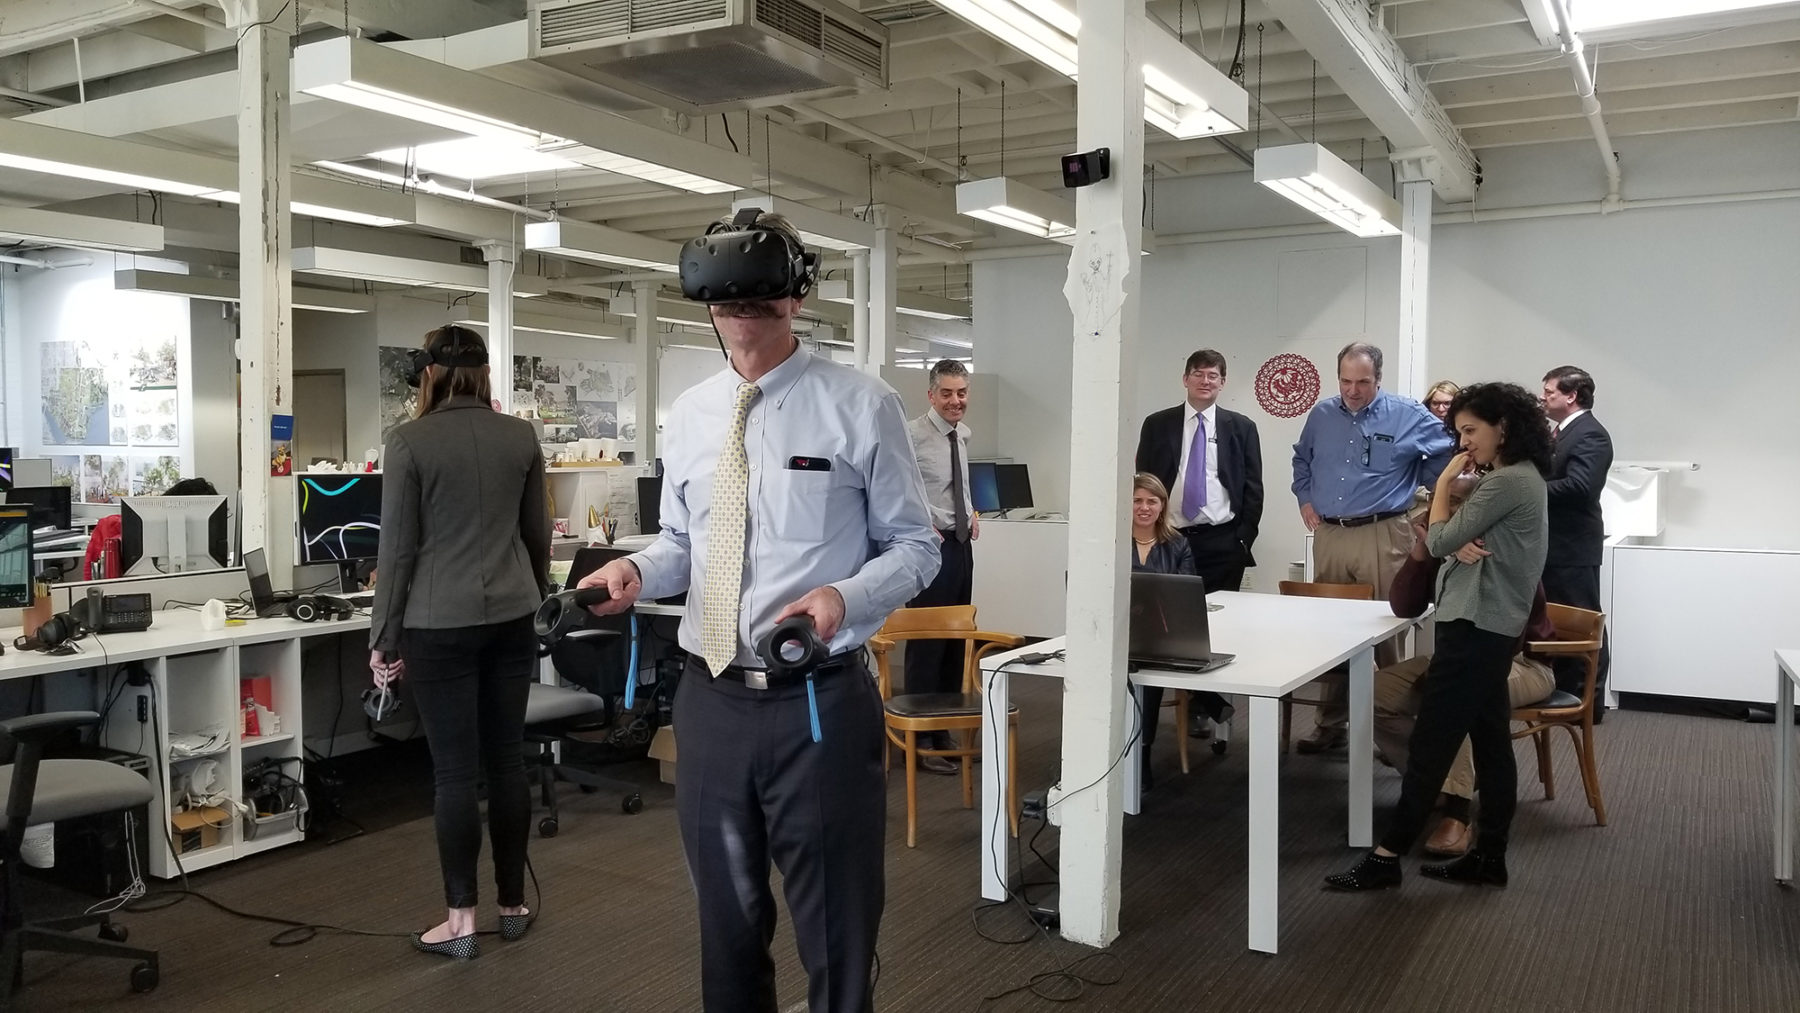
(1369, 65)
(26, 25)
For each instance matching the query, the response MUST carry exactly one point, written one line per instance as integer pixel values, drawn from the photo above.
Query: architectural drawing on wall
(118, 392)
(152, 476)
(577, 398)
(398, 401)
(104, 478)
(65, 469)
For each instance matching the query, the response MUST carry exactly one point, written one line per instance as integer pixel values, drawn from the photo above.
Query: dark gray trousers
(750, 786)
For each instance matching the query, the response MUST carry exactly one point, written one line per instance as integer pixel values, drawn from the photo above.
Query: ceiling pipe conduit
(1573, 48)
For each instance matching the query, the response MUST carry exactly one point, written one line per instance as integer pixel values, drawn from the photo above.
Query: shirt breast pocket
(804, 503)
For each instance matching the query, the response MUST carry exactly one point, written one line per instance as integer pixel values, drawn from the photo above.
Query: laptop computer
(263, 599)
(1168, 623)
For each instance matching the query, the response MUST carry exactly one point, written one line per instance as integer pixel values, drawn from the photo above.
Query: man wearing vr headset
(789, 489)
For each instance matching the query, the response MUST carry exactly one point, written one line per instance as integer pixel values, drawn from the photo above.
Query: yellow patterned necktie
(725, 541)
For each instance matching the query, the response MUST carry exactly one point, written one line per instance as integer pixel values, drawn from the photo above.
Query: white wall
(1688, 317)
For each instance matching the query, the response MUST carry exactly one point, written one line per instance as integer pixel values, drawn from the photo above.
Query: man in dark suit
(1584, 453)
(1210, 460)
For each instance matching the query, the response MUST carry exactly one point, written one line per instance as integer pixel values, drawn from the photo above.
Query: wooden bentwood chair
(1315, 589)
(909, 714)
(1578, 633)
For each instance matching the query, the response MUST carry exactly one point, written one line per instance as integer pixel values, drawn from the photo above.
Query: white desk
(1787, 673)
(1281, 643)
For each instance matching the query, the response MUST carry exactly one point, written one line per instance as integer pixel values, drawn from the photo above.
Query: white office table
(1787, 673)
(1281, 643)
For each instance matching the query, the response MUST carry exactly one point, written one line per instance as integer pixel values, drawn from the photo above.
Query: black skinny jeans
(470, 686)
(1463, 693)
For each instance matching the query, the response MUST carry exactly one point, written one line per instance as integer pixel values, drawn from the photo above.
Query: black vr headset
(470, 355)
(744, 262)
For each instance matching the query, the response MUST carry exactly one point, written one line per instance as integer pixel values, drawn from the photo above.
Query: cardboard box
(662, 749)
(198, 829)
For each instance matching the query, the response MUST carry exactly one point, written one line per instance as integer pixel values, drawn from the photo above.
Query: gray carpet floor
(1671, 907)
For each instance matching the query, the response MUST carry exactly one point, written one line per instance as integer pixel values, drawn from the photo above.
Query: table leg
(1362, 748)
(1784, 777)
(995, 836)
(1265, 820)
(1135, 720)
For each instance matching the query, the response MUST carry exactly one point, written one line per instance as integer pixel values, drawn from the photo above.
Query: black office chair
(595, 672)
(36, 791)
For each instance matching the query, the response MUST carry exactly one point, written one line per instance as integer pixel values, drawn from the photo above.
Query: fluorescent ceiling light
(339, 201)
(474, 158)
(54, 228)
(226, 290)
(404, 271)
(555, 325)
(1319, 181)
(598, 244)
(1184, 96)
(363, 73)
(918, 304)
(36, 148)
(818, 228)
(1014, 205)
(1591, 15)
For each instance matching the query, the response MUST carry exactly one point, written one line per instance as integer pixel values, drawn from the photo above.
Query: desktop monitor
(984, 487)
(649, 492)
(50, 506)
(338, 519)
(6, 479)
(15, 558)
(173, 534)
(1015, 486)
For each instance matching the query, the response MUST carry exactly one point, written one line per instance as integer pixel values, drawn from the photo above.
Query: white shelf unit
(194, 692)
(573, 490)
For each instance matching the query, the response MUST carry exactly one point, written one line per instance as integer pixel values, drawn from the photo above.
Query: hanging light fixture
(1326, 185)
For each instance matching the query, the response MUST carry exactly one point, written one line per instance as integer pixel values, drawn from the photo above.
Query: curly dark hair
(1525, 431)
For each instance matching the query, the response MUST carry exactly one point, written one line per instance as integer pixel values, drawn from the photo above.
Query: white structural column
(501, 257)
(265, 248)
(884, 294)
(649, 361)
(1102, 289)
(1412, 358)
(859, 305)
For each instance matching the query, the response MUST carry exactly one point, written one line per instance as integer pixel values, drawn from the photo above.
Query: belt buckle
(756, 680)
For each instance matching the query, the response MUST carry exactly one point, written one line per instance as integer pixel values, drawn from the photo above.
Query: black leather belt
(757, 678)
(1357, 522)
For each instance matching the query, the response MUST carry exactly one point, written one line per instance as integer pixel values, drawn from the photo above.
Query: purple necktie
(1193, 489)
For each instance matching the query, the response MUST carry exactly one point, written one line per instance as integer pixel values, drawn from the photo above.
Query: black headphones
(311, 608)
(744, 261)
(463, 348)
(55, 632)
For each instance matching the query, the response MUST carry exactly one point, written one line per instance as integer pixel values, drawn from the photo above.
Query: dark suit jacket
(1159, 452)
(1172, 556)
(465, 523)
(1584, 453)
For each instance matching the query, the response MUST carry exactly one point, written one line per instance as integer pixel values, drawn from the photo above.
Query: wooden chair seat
(908, 714)
(1578, 634)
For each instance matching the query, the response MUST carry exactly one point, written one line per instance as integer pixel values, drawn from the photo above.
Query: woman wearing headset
(464, 560)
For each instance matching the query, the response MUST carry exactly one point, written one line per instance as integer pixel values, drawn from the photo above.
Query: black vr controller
(745, 262)
(564, 614)
(793, 647)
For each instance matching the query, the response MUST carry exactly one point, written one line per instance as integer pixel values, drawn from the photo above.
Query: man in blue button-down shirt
(1361, 457)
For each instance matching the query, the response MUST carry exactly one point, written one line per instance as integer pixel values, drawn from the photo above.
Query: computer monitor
(338, 519)
(1015, 486)
(984, 487)
(650, 505)
(173, 534)
(15, 557)
(50, 506)
(6, 456)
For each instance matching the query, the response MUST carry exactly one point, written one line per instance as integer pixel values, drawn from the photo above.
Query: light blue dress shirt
(1368, 462)
(860, 525)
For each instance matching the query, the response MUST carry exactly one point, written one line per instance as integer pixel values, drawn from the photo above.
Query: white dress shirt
(1572, 416)
(931, 444)
(1218, 505)
(834, 499)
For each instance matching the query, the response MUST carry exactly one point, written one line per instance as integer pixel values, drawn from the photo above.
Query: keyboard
(361, 601)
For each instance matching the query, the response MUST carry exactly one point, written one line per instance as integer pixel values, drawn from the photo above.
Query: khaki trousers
(1397, 699)
(1370, 554)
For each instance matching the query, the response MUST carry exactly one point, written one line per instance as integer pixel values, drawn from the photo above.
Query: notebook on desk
(1168, 623)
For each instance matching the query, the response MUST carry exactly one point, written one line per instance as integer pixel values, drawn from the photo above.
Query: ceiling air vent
(711, 55)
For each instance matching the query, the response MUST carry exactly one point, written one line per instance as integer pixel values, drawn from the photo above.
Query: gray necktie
(956, 488)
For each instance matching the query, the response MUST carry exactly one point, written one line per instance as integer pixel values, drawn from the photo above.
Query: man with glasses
(1360, 457)
(1210, 460)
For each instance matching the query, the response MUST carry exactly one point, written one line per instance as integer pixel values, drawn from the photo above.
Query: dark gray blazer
(465, 525)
